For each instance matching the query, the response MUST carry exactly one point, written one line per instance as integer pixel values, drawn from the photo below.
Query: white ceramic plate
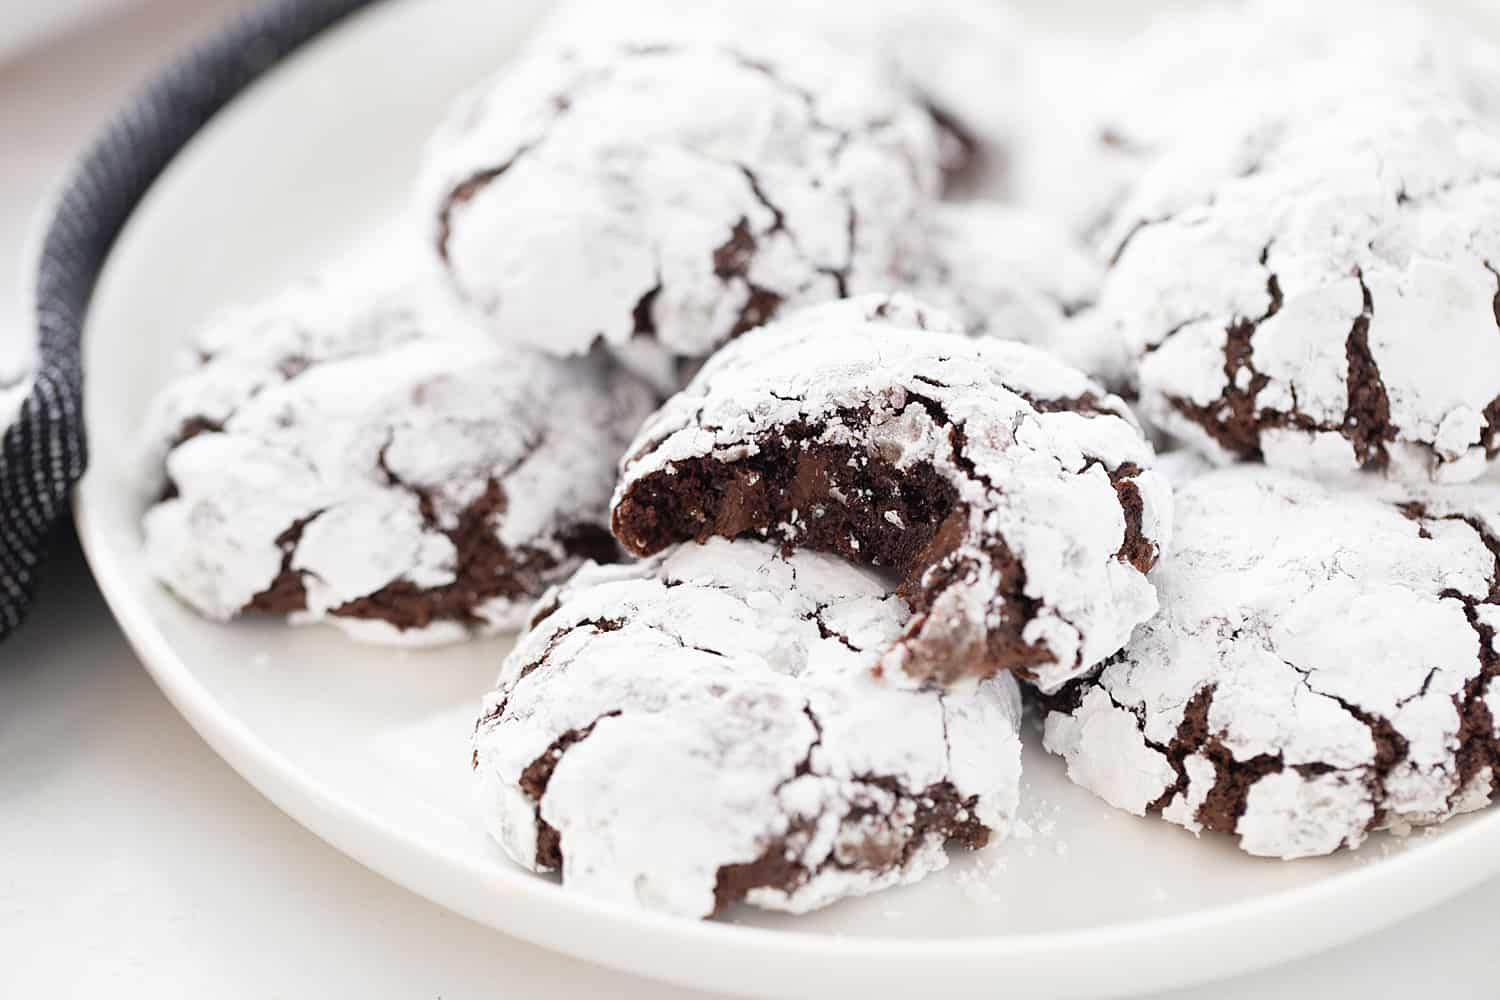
(368, 747)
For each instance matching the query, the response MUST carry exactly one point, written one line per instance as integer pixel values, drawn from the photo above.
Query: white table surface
(133, 862)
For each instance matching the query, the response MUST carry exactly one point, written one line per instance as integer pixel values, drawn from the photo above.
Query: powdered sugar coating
(1003, 271)
(1318, 287)
(672, 195)
(702, 727)
(1105, 109)
(375, 462)
(962, 60)
(1322, 666)
(1014, 495)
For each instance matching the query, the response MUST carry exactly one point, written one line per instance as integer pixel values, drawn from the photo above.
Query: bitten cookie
(1322, 666)
(374, 462)
(664, 198)
(1320, 288)
(1011, 496)
(704, 727)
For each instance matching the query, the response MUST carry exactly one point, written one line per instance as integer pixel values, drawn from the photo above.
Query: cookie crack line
(482, 569)
(770, 72)
(1138, 227)
(938, 810)
(467, 189)
(825, 631)
(1226, 800)
(1391, 748)
(1236, 423)
(287, 591)
(464, 192)
(1478, 745)
(1367, 415)
(535, 778)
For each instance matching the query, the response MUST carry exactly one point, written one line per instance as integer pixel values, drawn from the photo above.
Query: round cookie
(598, 194)
(1318, 287)
(372, 461)
(1011, 497)
(1003, 271)
(1105, 109)
(962, 61)
(704, 727)
(1322, 666)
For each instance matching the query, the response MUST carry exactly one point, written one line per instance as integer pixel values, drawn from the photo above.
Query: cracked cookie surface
(1010, 496)
(373, 461)
(962, 61)
(1323, 666)
(704, 727)
(664, 198)
(1317, 287)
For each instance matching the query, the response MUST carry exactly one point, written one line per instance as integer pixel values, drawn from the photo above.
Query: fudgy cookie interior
(850, 502)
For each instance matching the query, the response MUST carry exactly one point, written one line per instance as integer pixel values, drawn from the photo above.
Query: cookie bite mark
(831, 497)
(900, 468)
(804, 493)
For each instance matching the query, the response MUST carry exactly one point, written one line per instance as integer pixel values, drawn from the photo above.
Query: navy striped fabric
(43, 452)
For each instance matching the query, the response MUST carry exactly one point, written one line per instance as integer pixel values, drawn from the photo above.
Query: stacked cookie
(891, 481)
(862, 526)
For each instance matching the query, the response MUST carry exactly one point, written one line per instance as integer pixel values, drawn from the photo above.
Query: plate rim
(1465, 858)
(322, 810)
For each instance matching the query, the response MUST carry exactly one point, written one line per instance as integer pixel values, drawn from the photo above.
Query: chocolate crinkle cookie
(666, 197)
(703, 728)
(1319, 287)
(962, 61)
(1323, 666)
(1011, 498)
(370, 460)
